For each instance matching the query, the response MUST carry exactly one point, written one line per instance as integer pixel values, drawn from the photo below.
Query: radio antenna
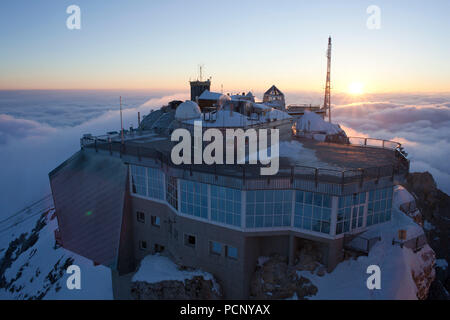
(121, 120)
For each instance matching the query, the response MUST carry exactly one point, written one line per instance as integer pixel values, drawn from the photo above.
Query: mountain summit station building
(119, 199)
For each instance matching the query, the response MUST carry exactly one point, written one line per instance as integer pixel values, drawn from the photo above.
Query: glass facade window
(172, 192)
(232, 252)
(226, 205)
(268, 208)
(263, 208)
(350, 212)
(312, 211)
(155, 182)
(215, 247)
(194, 198)
(147, 182)
(140, 216)
(138, 179)
(380, 206)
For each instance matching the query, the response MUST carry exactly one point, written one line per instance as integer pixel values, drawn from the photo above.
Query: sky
(243, 45)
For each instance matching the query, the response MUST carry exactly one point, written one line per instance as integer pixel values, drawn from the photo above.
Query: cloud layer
(423, 130)
(29, 150)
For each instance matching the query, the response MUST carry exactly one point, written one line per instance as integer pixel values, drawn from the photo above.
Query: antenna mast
(200, 67)
(327, 100)
(121, 120)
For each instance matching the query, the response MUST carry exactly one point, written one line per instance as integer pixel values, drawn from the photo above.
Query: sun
(355, 88)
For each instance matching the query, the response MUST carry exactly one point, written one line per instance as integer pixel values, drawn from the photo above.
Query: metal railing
(415, 243)
(359, 243)
(375, 143)
(247, 171)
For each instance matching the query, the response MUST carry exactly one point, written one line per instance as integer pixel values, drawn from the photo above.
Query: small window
(175, 234)
(140, 216)
(156, 221)
(143, 245)
(232, 252)
(189, 240)
(158, 248)
(215, 248)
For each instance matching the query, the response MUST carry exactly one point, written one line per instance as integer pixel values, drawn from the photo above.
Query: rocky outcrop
(424, 275)
(275, 279)
(435, 209)
(196, 288)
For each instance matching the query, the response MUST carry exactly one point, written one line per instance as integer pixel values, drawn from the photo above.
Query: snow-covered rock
(159, 278)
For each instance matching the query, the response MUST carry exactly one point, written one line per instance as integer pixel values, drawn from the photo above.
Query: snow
(33, 265)
(188, 110)
(231, 119)
(297, 153)
(428, 226)
(294, 297)
(312, 122)
(348, 279)
(157, 268)
(276, 114)
(262, 107)
(441, 263)
(262, 260)
(402, 196)
(208, 95)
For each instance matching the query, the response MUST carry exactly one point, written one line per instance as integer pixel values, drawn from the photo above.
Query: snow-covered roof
(402, 196)
(216, 96)
(227, 118)
(276, 114)
(312, 122)
(262, 107)
(188, 110)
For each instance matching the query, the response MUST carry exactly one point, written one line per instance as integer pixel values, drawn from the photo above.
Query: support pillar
(291, 249)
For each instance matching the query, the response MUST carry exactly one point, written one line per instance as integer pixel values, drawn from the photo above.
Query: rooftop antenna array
(327, 99)
(200, 71)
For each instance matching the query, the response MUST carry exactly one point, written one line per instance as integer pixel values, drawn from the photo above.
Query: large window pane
(226, 205)
(195, 203)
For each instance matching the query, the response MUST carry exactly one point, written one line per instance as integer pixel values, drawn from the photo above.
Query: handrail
(341, 177)
(414, 243)
(383, 142)
(364, 245)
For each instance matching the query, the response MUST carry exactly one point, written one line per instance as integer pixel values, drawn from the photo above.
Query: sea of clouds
(37, 138)
(40, 129)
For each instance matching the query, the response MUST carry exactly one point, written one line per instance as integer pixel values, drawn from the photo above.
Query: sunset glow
(355, 88)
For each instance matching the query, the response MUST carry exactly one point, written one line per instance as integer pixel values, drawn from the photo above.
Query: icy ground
(31, 267)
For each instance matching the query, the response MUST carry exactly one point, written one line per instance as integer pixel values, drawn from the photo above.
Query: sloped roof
(274, 91)
(216, 96)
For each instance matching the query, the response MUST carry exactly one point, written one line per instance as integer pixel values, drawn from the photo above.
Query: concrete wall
(234, 275)
(229, 272)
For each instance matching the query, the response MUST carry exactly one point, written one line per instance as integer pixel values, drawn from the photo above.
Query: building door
(357, 217)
